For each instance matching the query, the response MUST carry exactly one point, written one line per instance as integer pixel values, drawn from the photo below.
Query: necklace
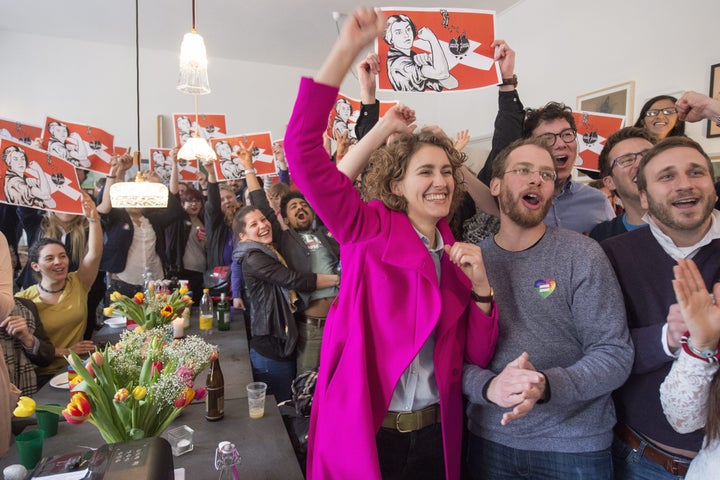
(50, 291)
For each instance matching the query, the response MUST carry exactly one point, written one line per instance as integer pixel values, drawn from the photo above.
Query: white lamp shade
(196, 148)
(138, 194)
(193, 77)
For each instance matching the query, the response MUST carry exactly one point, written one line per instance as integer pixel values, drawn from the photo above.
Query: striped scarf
(20, 369)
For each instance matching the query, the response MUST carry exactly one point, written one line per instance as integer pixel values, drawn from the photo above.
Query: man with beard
(563, 345)
(306, 248)
(618, 162)
(676, 187)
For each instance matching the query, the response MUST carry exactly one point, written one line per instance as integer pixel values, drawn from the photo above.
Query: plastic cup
(256, 399)
(47, 422)
(29, 446)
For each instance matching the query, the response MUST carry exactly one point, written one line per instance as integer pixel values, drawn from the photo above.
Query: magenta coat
(388, 305)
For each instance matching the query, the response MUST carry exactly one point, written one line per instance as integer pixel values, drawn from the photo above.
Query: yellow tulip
(115, 296)
(108, 311)
(25, 407)
(139, 392)
(183, 290)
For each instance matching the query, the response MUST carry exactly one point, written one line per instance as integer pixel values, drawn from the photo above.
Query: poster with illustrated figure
(161, 162)
(209, 125)
(592, 131)
(19, 131)
(84, 146)
(344, 116)
(118, 150)
(34, 178)
(437, 50)
(228, 166)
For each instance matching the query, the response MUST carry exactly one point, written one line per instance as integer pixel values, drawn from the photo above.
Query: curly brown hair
(389, 164)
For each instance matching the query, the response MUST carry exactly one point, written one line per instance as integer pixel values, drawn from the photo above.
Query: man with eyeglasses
(563, 345)
(618, 162)
(675, 183)
(576, 206)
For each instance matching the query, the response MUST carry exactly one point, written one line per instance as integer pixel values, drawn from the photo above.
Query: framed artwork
(616, 100)
(715, 159)
(712, 129)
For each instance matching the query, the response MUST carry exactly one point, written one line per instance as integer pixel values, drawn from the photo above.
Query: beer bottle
(215, 386)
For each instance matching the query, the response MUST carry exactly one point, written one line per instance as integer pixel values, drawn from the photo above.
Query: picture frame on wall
(615, 100)
(715, 159)
(712, 129)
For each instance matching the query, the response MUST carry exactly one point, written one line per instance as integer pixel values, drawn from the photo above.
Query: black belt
(672, 464)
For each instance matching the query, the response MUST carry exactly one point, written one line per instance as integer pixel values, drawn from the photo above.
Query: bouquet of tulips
(135, 388)
(150, 309)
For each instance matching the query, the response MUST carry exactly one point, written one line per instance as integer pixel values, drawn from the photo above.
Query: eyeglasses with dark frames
(568, 136)
(656, 111)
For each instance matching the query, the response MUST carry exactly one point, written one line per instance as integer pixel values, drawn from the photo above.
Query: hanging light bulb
(193, 77)
(140, 193)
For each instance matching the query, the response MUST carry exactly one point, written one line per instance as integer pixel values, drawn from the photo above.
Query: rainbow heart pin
(545, 287)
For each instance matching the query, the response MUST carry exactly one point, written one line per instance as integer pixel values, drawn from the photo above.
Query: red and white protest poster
(208, 125)
(161, 162)
(344, 115)
(34, 178)
(19, 131)
(592, 131)
(228, 166)
(84, 146)
(436, 50)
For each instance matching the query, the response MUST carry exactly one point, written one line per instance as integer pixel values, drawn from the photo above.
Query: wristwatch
(510, 81)
(482, 298)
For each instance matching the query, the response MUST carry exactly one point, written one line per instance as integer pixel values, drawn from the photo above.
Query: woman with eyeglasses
(659, 117)
(186, 238)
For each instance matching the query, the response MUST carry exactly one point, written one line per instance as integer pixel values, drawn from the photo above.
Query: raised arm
(174, 173)
(399, 119)
(118, 168)
(6, 277)
(91, 261)
(367, 70)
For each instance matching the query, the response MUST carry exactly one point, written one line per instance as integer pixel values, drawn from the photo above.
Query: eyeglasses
(567, 136)
(665, 111)
(193, 202)
(628, 159)
(545, 175)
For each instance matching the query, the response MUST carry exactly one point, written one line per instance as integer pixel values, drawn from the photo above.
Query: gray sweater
(559, 301)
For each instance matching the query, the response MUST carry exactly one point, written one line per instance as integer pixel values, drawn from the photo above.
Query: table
(263, 444)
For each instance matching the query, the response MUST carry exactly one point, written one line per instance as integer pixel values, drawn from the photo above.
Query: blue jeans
(492, 461)
(278, 374)
(630, 464)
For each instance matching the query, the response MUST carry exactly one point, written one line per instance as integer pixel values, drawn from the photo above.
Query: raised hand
(505, 56)
(701, 313)
(245, 155)
(462, 138)
(694, 106)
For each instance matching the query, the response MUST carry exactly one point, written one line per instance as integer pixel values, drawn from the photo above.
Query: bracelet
(482, 298)
(91, 220)
(709, 356)
(249, 171)
(717, 120)
(110, 176)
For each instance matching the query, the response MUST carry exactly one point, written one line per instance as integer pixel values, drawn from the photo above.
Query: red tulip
(78, 410)
(156, 368)
(200, 393)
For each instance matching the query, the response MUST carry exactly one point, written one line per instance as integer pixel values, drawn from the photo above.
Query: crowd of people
(564, 339)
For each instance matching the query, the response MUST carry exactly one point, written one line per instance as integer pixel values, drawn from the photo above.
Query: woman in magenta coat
(388, 397)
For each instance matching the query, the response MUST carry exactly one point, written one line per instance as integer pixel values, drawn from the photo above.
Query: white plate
(60, 381)
(116, 322)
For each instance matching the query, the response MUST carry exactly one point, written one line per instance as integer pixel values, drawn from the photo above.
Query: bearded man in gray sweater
(542, 409)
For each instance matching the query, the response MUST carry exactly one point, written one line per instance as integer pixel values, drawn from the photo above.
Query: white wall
(565, 48)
